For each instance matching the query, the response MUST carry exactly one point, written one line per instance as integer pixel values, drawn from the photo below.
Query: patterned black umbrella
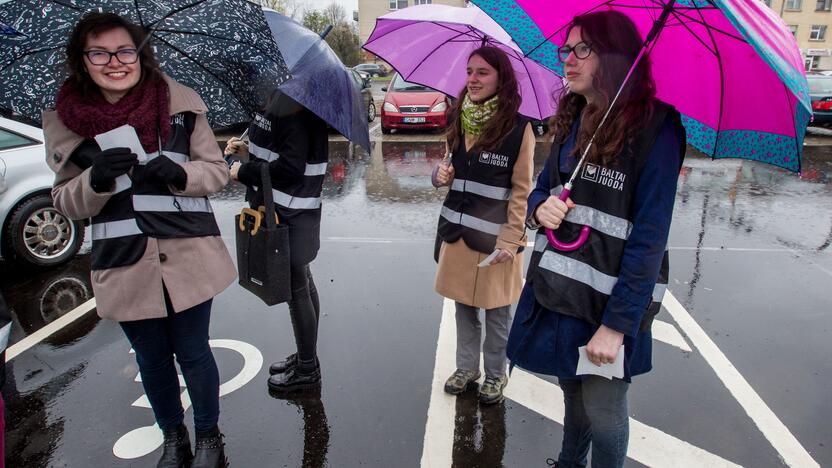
(221, 48)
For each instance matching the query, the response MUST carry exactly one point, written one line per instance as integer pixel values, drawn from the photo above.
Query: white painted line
(667, 333)
(437, 450)
(773, 429)
(378, 240)
(375, 127)
(648, 445)
(40, 335)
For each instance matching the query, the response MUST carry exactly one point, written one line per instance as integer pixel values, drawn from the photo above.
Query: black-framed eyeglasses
(581, 50)
(102, 57)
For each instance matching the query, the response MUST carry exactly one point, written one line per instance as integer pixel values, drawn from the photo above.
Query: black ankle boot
(177, 448)
(280, 367)
(297, 378)
(210, 449)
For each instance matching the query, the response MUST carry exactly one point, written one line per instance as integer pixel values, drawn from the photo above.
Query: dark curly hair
(93, 24)
(617, 43)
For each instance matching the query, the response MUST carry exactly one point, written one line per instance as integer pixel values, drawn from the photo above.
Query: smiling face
(482, 79)
(580, 72)
(114, 79)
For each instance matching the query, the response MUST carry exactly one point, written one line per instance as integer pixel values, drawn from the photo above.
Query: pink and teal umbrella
(430, 45)
(731, 67)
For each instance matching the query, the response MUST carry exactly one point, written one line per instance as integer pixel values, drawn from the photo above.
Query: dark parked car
(820, 92)
(372, 69)
(362, 82)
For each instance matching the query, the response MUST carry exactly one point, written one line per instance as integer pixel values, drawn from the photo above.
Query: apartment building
(811, 23)
(369, 10)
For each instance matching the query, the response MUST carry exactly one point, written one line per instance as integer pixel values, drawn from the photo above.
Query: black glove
(109, 164)
(161, 168)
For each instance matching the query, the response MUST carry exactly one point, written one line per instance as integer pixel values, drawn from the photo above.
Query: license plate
(414, 120)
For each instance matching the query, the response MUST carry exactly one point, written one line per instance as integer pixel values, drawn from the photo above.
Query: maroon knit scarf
(145, 107)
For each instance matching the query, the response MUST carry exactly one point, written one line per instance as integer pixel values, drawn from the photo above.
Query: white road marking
(773, 429)
(143, 440)
(53, 327)
(667, 333)
(375, 127)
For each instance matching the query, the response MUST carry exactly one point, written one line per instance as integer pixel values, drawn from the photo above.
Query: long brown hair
(508, 102)
(93, 24)
(615, 39)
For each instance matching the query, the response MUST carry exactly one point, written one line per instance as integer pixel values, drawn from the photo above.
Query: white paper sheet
(488, 259)
(122, 137)
(585, 366)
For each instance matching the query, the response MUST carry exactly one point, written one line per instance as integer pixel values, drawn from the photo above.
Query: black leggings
(304, 309)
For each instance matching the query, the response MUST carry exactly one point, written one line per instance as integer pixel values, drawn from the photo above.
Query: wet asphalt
(751, 261)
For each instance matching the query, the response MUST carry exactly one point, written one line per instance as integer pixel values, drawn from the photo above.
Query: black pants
(304, 309)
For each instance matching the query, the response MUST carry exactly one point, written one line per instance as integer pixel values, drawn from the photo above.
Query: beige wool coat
(459, 278)
(192, 269)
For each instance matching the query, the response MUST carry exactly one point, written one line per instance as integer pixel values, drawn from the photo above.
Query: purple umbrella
(731, 67)
(430, 45)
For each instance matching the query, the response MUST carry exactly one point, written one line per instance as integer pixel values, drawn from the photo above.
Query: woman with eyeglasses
(604, 293)
(157, 257)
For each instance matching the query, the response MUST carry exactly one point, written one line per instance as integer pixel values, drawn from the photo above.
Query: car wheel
(385, 130)
(39, 235)
(371, 112)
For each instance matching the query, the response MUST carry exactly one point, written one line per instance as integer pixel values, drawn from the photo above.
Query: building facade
(811, 23)
(369, 10)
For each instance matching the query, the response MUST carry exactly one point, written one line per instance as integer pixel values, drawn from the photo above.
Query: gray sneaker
(460, 380)
(492, 390)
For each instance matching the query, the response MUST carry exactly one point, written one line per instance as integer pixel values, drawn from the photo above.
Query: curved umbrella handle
(567, 246)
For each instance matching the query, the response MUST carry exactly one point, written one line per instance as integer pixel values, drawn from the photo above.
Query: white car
(33, 232)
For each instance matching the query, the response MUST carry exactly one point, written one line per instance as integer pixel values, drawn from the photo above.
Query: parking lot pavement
(741, 370)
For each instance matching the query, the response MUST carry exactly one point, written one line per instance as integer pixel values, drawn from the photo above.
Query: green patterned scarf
(474, 116)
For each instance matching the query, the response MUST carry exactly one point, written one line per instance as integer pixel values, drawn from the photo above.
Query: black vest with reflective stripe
(579, 283)
(298, 201)
(142, 208)
(477, 202)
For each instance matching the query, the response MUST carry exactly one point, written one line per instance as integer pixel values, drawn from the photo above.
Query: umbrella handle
(567, 246)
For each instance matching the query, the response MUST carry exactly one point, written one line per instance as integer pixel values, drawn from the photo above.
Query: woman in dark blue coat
(605, 293)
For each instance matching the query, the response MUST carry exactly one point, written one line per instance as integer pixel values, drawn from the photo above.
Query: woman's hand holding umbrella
(551, 212)
(444, 174)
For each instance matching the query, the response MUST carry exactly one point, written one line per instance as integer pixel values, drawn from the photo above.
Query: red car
(413, 106)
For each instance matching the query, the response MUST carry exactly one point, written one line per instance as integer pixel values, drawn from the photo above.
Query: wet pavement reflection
(750, 260)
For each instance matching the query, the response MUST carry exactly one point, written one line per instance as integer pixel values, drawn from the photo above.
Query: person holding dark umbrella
(157, 255)
(293, 141)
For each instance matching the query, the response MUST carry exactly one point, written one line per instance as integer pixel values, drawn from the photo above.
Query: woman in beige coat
(482, 220)
(157, 257)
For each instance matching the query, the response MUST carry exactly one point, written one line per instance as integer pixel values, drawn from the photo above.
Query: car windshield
(820, 85)
(401, 85)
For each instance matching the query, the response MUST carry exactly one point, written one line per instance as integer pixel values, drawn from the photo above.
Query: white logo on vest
(263, 122)
(606, 177)
(177, 119)
(494, 159)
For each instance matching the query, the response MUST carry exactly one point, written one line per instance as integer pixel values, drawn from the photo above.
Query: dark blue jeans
(596, 413)
(184, 335)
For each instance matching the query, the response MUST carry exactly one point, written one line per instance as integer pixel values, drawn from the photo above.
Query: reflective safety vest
(142, 208)
(579, 283)
(477, 203)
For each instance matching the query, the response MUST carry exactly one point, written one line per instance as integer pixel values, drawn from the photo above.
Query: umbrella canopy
(221, 48)
(430, 45)
(320, 82)
(731, 67)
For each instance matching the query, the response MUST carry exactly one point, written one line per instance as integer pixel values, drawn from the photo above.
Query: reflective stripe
(113, 229)
(497, 193)
(169, 203)
(296, 203)
(172, 155)
(315, 169)
(471, 222)
(262, 153)
(597, 219)
(577, 271)
(4, 336)
(582, 272)
(123, 183)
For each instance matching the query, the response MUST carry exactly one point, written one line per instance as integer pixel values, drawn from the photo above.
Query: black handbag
(263, 248)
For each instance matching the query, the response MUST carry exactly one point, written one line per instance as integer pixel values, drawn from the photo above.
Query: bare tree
(288, 8)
